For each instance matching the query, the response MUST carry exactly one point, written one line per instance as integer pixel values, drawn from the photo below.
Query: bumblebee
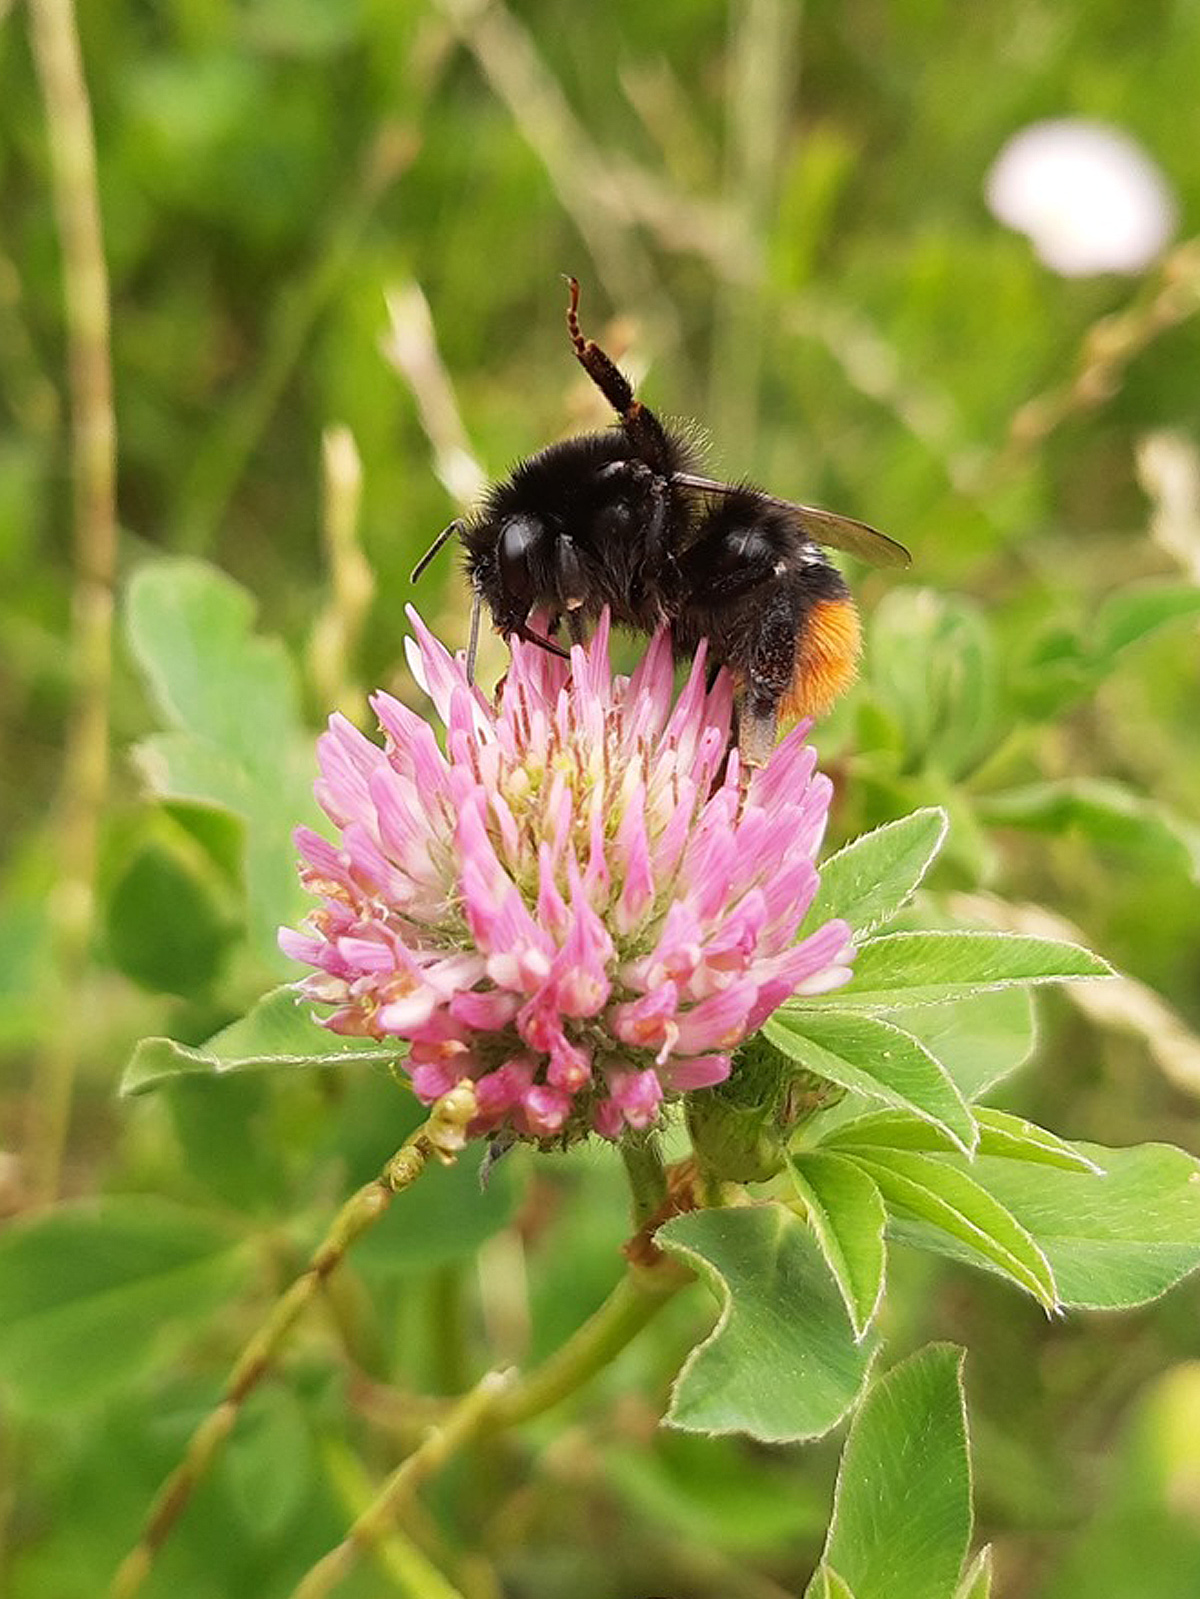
(623, 519)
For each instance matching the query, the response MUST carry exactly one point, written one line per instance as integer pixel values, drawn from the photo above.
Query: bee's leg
(757, 727)
(528, 636)
(643, 429)
(575, 626)
(769, 671)
(473, 640)
(656, 524)
(570, 578)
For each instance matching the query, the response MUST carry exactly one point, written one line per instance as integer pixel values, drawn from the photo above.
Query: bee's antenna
(443, 537)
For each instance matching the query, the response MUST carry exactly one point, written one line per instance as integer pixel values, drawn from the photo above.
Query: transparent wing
(823, 527)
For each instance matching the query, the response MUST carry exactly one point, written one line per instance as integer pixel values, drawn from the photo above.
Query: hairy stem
(59, 64)
(376, 1523)
(440, 1137)
(499, 1402)
(397, 1552)
(647, 1175)
(634, 1302)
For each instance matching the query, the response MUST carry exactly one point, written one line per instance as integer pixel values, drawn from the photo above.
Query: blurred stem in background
(498, 1401)
(338, 628)
(440, 1137)
(222, 457)
(763, 51)
(72, 151)
(410, 1569)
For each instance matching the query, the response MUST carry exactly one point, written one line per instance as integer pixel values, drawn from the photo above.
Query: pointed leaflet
(1009, 1137)
(847, 1215)
(874, 1057)
(782, 1362)
(938, 1190)
(1114, 1240)
(1013, 1138)
(826, 1584)
(978, 1040)
(901, 1521)
(901, 969)
(278, 1034)
(874, 876)
(977, 1581)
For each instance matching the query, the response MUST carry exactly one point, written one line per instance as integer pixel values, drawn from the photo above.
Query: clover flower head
(578, 903)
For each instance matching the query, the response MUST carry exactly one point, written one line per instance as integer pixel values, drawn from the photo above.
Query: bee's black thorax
(589, 524)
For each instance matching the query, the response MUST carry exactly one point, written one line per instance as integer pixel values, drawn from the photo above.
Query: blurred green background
(322, 215)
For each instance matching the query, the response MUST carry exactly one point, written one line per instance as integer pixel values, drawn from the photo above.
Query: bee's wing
(823, 527)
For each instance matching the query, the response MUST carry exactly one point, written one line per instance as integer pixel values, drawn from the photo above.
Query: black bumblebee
(622, 519)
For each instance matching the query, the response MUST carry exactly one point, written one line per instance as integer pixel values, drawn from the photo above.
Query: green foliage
(779, 265)
(870, 1056)
(1115, 1238)
(902, 1510)
(783, 1362)
(980, 1039)
(941, 687)
(95, 1295)
(872, 878)
(952, 1202)
(183, 952)
(235, 742)
(846, 1211)
(277, 1034)
(901, 969)
(999, 1134)
(977, 1582)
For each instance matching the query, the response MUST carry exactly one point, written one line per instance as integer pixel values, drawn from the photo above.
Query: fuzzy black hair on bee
(622, 519)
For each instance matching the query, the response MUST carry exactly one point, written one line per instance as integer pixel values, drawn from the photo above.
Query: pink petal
(682, 1073)
(404, 1016)
(638, 1094)
(544, 1111)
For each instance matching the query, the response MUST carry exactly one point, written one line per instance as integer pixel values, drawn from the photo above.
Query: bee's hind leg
(757, 729)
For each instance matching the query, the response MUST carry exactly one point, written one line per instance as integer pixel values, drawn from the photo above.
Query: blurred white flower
(1089, 198)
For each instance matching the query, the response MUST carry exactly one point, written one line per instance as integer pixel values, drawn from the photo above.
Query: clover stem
(498, 1402)
(647, 1175)
(439, 1137)
(634, 1302)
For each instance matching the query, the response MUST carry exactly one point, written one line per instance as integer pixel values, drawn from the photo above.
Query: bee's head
(520, 552)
